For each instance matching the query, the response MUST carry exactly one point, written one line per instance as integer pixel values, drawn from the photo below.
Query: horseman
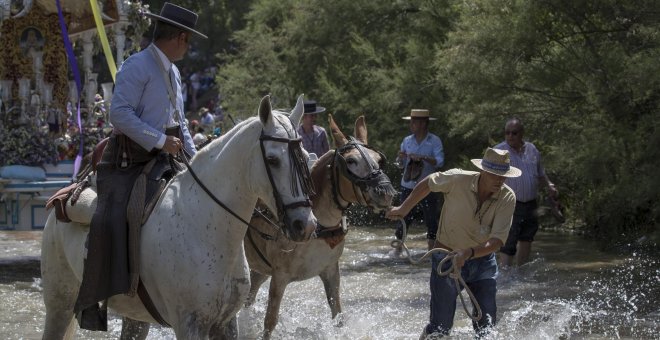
(148, 131)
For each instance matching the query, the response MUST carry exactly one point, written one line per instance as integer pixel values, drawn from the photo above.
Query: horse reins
(306, 187)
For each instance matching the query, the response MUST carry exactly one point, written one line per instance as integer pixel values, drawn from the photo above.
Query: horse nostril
(298, 226)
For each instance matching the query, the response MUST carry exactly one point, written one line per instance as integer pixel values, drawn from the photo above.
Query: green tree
(582, 75)
(353, 56)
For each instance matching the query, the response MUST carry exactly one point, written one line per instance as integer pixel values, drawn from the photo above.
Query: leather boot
(93, 318)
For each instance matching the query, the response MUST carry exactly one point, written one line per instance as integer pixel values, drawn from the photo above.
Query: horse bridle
(299, 172)
(375, 178)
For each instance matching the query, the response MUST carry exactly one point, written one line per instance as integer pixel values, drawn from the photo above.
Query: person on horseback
(147, 131)
(474, 223)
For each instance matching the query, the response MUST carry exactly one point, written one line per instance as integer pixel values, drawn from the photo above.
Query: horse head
(285, 165)
(361, 167)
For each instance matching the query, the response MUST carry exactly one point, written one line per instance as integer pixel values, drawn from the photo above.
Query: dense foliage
(24, 144)
(582, 75)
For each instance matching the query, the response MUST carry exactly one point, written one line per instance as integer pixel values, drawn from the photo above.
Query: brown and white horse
(350, 174)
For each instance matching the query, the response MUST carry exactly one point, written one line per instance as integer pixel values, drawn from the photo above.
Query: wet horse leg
(256, 280)
(330, 277)
(229, 331)
(133, 329)
(275, 295)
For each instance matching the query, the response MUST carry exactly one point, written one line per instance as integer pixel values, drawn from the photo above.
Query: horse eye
(351, 161)
(273, 161)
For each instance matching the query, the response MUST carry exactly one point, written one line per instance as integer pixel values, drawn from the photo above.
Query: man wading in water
(474, 224)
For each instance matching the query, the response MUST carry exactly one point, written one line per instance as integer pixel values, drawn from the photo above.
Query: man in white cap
(421, 154)
(147, 115)
(474, 224)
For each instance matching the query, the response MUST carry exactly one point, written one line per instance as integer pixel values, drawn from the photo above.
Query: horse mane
(319, 177)
(220, 142)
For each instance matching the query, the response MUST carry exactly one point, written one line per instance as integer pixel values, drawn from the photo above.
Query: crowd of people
(472, 214)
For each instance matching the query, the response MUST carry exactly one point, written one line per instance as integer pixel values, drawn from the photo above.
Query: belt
(439, 244)
(528, 202)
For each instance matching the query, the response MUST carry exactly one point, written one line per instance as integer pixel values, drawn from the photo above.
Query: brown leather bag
(58, 201)
(413, 170)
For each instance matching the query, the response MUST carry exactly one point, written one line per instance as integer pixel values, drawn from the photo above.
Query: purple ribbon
(76, 76)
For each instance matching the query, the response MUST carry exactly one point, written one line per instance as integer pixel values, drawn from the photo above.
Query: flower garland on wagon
(43, 134)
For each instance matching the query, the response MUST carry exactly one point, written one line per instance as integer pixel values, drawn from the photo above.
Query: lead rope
(453, 272)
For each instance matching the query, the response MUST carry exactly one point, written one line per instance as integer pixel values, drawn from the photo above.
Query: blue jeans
(431, 209)
(479, 275)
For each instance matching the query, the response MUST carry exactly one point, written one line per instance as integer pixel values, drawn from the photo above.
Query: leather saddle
(158, 174)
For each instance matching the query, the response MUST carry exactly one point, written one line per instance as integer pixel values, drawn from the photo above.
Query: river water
(570, 290)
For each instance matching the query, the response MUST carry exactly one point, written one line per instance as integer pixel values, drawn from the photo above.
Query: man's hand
(172, 145)
(463, 255)
(552, 191)
(395, 213)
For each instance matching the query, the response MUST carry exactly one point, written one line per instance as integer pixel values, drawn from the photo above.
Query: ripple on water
(576, 293)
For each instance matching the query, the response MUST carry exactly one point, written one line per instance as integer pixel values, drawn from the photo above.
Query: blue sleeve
(438, 153)
(131, 81)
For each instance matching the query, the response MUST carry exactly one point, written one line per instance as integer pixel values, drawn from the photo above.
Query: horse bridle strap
(217, 201)
(376, 176)
(299, 171)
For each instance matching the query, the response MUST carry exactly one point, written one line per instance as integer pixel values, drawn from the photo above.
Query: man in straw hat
(421, 154)
(474, 224)
(148, 120)
(314, 137)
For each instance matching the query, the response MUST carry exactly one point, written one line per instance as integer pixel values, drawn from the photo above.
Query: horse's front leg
(133, 329)
(275, 295)
(256, 280)
(330, 277)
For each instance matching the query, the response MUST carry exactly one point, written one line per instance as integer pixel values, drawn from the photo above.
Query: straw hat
(497, 162)
(419, 113)
(177, 16)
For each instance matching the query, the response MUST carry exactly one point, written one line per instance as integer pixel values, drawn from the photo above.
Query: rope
(453, 271)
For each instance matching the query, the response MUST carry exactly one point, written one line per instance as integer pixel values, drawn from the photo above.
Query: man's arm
(552, 190)
(492, 245)
(438, 157)
(420, 191)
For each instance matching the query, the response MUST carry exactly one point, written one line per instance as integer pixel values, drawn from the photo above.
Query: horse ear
(265, 111)
(361, 130)
(297, 112)
(337, 135)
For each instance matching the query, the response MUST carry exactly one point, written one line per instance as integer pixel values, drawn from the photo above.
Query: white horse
(192, 260)
(350, 174)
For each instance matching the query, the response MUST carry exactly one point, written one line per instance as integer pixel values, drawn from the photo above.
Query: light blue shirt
(140, 106)
(528, 160)
(431, 146)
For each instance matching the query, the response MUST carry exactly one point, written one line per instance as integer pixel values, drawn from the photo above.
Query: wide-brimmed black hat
(312, 108)
(177, 16)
